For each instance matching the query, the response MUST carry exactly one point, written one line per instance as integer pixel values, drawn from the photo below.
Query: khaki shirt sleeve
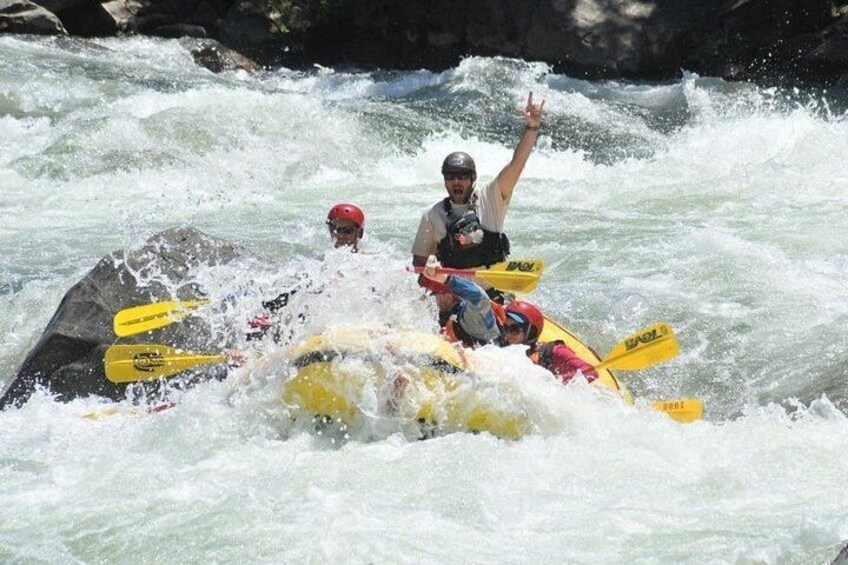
(493, 207)
(425, 240)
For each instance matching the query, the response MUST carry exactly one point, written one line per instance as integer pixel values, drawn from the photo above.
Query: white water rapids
(719, 208)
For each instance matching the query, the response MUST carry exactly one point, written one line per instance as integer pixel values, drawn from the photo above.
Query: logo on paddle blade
(646, 337)
(147, 362)
(523, 266)
(672, 405)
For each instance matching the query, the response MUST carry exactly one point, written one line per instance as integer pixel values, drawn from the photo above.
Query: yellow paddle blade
(150, 317)
(521, 275)
(128, 363)
(683, 410)
(99, 414)
(643, 349)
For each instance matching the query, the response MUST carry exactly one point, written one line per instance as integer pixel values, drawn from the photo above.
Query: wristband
(531, 128)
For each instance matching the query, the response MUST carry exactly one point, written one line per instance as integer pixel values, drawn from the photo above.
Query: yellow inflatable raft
(351, 374)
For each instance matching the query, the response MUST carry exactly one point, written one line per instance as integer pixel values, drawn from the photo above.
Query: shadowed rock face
(68, 359)
(842, 558)
(637, 39)
(771, 41)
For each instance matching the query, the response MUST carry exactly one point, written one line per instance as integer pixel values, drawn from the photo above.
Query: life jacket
(468, 243)
(543, 354)
(455, 333)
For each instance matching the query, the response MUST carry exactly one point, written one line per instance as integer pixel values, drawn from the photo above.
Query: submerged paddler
(467, 314)
(346, 224)
(469, 317)
(523, 325)
(465, 229)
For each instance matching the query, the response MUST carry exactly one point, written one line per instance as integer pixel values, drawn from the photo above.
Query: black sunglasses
(513, 328)
(457, 176)
(342, 230)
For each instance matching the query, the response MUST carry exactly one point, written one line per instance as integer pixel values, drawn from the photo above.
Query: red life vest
(543, 355)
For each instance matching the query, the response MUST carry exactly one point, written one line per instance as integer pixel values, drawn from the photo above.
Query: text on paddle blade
(147, 362)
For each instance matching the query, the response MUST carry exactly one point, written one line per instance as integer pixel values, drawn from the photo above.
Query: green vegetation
(296, 16)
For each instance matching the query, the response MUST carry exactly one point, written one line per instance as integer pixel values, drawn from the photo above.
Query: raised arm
(476, 315)
(508, 177)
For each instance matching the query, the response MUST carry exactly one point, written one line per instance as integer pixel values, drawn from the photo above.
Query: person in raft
(466, 313)
(523, 325)
(346, 223)
(469, 317)
(465, 229)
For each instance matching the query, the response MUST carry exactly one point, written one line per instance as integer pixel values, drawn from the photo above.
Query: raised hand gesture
(532, 113)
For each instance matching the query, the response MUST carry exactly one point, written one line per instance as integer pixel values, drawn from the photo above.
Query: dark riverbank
(771, 42)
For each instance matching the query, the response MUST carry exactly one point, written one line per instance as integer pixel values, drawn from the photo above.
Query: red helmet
(529, 316)
(347, 212)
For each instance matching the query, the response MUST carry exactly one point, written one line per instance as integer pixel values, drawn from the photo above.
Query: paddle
(129, 363)
(151, 317)
(684, 410)
(521, 275)
(643, 349)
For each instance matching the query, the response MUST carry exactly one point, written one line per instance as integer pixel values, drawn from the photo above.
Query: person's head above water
(459, 172)
(524, 323)
(346, 223)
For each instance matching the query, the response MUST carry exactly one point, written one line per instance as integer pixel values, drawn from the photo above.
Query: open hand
(262, 321)
(236, 357)
(431, 270)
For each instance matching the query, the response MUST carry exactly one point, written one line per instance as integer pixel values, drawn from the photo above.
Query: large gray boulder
(216, 57)
(68, 359)
(20, 16)
(842, 558)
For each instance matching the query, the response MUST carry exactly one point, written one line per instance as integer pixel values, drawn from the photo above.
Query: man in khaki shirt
(465, 230)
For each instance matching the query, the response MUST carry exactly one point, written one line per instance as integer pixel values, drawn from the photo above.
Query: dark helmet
(347, 212)
(459, 162)
(529, 317)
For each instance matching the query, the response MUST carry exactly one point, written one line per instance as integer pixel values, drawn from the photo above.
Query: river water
(720, 208)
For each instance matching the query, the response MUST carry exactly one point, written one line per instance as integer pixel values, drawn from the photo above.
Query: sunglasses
(457, 176)
(513, 328)
(342, 230)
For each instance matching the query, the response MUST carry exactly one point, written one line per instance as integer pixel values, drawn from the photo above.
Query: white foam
(727, 220)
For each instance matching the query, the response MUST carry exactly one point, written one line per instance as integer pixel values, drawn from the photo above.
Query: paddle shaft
(520, 276)
(449, 271)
